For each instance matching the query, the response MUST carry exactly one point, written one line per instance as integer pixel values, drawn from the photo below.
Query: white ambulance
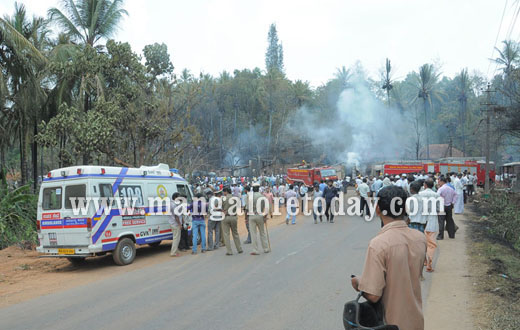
(64, 230)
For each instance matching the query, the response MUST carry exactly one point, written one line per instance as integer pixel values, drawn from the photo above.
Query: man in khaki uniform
(230, 221)
(394, 264)
(257, 220)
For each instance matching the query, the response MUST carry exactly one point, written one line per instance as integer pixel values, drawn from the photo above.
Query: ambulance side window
(183, 190)
(105, 190)
(51, 198)
(128, 193)
(75, 191)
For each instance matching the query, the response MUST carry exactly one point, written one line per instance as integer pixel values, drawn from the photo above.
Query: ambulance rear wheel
(124, 253)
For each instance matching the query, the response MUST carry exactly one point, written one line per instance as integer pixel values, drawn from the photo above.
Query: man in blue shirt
(378, 183)
(329, 193)
(322, 186)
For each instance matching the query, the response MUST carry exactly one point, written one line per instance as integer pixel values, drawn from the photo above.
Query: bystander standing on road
(198, 209)
(257, 218)
(432, 223)
(243, 198)
(458, 207)
(329, 193)
(303, 191)
(230, 205)
(414, 209)
(363, 191)
(291, 200)
(175, 221)
(448, 194)
(269, 195)
(214, 222)
(316, 203)
(394, 263)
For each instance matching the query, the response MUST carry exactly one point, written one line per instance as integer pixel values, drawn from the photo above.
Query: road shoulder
(448, 304)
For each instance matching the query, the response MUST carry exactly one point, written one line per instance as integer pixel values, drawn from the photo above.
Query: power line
(513, 22)
(511, 28)
(496, 39)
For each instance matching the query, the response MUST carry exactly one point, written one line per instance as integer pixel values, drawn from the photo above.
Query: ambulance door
(159, 195)
(49, 214)
(76, 213)
(106, 204)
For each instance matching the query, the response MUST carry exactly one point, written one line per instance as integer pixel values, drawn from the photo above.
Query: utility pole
(489, 108)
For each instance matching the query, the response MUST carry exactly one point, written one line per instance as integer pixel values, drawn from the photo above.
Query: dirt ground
(24, 275)
(451, 295)
(496, 278)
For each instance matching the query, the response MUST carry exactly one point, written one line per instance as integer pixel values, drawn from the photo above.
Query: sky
(318, 36)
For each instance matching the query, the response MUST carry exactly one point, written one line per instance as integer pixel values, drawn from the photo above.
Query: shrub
(17, 215)
(504, 217)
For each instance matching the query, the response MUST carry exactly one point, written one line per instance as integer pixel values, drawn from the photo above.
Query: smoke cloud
(362, 130)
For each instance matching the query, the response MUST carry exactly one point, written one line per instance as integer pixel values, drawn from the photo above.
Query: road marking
(294, 252)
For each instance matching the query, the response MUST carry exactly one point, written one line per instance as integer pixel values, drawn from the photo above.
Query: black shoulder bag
(365, 315)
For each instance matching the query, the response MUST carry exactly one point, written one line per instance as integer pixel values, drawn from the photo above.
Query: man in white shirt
(414, 208)
(289, 196)
(281, 193)
(363, 191)
(215, 217)
(359, 181)
(317, 194)
(459, 200)
(303, 191)
(471, 187)
(432, 221)
(464, 181)
(276, 190)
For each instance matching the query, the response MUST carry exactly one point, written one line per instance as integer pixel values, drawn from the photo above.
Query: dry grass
(496, 279)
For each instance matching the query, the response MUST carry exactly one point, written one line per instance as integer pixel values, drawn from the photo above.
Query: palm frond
(20, 44)
(62, 20)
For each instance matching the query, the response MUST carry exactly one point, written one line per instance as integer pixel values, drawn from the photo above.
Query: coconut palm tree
(343, 76)
(508, 56)
(425, 82)
(463, 87)
(23, 59)
(387, 80)
(88, 21)
(301, 92)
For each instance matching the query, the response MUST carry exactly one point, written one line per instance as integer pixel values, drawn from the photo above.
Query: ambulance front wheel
(124, 253)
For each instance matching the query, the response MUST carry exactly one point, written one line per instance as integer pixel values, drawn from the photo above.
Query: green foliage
(87, 21)
(504, 218)
(157, 59)
(274, 53)
(17, 215)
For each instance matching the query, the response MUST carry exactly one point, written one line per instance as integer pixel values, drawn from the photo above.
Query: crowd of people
(276, 188)
(407, 240)
(454, 188)
(211, 227)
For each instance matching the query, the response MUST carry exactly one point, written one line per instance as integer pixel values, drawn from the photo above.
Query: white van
(62, 232)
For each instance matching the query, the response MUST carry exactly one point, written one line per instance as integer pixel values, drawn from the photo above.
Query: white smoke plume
(363, 129)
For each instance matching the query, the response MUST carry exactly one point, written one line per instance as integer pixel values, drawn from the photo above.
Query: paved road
(302, 284)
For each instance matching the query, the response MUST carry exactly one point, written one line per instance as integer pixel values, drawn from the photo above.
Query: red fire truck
(459, 165)
(309, 175)
(443, 165)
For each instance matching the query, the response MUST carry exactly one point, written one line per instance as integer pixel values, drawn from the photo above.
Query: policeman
(257, 218)
(230, 207)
